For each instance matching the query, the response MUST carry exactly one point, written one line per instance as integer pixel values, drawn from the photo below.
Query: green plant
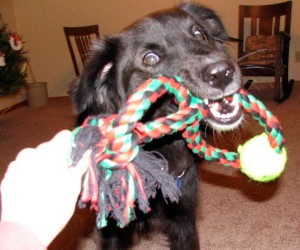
(12, 61)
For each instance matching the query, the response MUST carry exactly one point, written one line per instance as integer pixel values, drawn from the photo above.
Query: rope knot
(122, 144)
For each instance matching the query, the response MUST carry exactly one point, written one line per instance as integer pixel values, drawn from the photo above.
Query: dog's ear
(207, 18)
(96, 91)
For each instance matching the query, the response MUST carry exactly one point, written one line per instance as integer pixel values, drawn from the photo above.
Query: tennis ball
(259, 161)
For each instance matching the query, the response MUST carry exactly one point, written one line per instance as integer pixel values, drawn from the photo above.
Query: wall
(8, 13)
(41, 24)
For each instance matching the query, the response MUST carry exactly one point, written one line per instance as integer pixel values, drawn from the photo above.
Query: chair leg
(277, 87)
(287, 87)
(248, 84)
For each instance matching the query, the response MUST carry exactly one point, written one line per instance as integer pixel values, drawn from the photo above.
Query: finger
(63, 136)
(62, 140)
(75, 176)
(56, 151)
(59, 143)
(23, 162)
(25, 154)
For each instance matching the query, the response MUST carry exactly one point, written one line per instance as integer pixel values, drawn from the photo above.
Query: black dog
(186, 41)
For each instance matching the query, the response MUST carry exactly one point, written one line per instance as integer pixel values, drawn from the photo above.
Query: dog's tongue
(225, 108)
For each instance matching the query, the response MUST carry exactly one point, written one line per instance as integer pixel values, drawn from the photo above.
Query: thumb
(76, 173)
(82, 166)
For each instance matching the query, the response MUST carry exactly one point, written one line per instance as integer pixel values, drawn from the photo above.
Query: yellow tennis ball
(259, 161)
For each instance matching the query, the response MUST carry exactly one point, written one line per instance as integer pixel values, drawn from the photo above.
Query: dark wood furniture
(263, 44)
(83, 36)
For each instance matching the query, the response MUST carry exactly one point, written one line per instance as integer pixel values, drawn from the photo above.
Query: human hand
(40, 190)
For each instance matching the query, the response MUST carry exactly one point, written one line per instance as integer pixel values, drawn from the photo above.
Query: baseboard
(59, 97)
(13, 107)
(24, 103)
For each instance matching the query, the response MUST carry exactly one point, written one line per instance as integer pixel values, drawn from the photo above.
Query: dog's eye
(151, 59)
(199, 33)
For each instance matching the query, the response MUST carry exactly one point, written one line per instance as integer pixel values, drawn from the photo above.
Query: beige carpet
(234, 213)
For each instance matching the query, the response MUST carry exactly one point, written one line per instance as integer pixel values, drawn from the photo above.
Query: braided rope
(115, 144)
(265, 119)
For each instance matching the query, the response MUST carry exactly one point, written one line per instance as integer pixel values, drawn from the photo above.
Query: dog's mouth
(224, 113)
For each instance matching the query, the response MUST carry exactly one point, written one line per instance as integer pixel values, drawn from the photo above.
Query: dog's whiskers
(250, 54)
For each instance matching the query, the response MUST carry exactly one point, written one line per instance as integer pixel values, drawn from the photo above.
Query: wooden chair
(83, 37)
(263, 44)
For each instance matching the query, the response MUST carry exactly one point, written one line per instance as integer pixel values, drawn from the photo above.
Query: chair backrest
(263, 20)
(83, 37)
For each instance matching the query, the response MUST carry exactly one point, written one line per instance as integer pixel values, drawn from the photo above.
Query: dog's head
(186, 41)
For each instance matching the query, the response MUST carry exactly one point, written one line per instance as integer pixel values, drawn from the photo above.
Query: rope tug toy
(121, 175)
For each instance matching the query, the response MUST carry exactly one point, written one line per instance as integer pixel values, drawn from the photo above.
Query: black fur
(188, 41)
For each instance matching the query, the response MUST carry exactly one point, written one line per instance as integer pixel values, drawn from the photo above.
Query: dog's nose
(218, 74)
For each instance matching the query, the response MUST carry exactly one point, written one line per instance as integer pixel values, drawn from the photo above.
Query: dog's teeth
(215, 112)
(235, 101)
(206, 101)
